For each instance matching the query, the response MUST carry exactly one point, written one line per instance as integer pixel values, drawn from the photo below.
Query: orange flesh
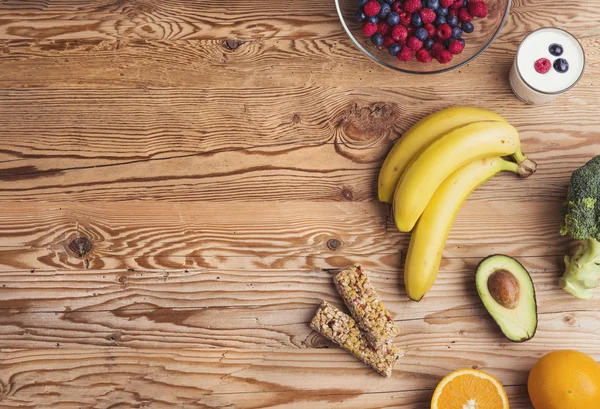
(469, 391)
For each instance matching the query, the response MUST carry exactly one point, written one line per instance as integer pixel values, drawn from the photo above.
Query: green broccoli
(581, 216)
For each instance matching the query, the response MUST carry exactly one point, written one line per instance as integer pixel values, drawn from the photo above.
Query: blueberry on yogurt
(556, 49)
(561, 65)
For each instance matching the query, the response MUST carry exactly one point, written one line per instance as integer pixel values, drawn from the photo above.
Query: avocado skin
(522, 271)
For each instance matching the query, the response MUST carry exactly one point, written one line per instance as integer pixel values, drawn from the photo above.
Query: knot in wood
(80, 246)
(333, 244)
(233, 44)
(347, 194)
(364, 123)
(569, 320)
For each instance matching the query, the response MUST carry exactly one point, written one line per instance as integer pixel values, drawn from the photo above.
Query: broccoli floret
(581, 219)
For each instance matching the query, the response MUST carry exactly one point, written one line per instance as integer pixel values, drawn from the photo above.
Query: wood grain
(254, 288)
(337, 171)
(144, 325)
(209, 378)
(180, 19)
(34, 236)
(222, 160)
(332, 62)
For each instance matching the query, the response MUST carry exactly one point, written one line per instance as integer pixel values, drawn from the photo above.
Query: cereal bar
(365, 306)
(341, 329)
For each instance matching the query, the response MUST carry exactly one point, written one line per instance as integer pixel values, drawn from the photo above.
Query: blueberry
(428, 43)
(433, 4)
(360, 16)
(390, 2)
(556, 50)
(395, 49)
(384, 11)
(424, 3)
(373, 19)
(361, 3)
(456, 32)
(421, 34)
(393, 19)
(468, 27)
(462, 41)
(442, 11)
(417, 21)
(452, 20)
(439, 20)
(377, 39)
(448, 42)
(561, 65)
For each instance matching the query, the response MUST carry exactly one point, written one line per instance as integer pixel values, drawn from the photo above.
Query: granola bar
(341, 329)
(366, 306)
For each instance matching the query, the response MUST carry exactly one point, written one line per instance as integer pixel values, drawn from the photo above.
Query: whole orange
(565, 380)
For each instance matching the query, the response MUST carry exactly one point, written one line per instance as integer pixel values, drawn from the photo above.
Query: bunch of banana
(433, 169)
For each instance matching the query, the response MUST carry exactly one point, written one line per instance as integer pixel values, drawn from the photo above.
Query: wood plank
(46, 124)
(180, 19)
(176, 19)
(218, 377)
(256, 289)
(38, 236)
(324, 172)
(145, 325)
(332, 62)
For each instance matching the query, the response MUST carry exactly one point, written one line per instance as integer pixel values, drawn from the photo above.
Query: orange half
(469, 389)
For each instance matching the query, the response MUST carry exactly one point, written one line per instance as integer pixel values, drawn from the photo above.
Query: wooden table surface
(179, 179)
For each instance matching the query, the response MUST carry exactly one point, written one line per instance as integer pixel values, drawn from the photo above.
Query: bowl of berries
(423, 36)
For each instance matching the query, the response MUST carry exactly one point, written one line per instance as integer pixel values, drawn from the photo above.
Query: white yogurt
(536, 88)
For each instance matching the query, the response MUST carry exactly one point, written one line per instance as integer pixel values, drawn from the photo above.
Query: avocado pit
(504, 288)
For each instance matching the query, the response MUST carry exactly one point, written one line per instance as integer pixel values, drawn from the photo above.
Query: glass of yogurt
(549, 62)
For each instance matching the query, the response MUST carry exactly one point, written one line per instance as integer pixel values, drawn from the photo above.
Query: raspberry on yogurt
(543, 65)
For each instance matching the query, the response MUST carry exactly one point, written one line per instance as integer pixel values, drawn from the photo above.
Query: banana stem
(527, 167)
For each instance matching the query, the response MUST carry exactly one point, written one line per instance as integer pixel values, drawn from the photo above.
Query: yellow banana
(430, 234)
(452, 151)
(419, 137)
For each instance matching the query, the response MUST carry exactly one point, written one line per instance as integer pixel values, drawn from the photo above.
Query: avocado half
(507, 292)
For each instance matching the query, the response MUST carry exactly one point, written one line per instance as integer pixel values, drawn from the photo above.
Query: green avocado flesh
(507, 292)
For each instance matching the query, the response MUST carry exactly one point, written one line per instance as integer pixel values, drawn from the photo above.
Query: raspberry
(457, 4)
(478, 9)
(411, 30)
(372, 8)
(436, 48)
(412, 6)
(452, 12)
(444, 57)
(406, 54)
(387, 41)
(464, 15)
(369, 29)
(423, 55)
(446, 3)
(456, 47)
(430, 30)
(543, 65)
(399, 33)
(428, 16)
(444, 31)
(405, 19)
(383, 28)
(414, 43)
(397, 7)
